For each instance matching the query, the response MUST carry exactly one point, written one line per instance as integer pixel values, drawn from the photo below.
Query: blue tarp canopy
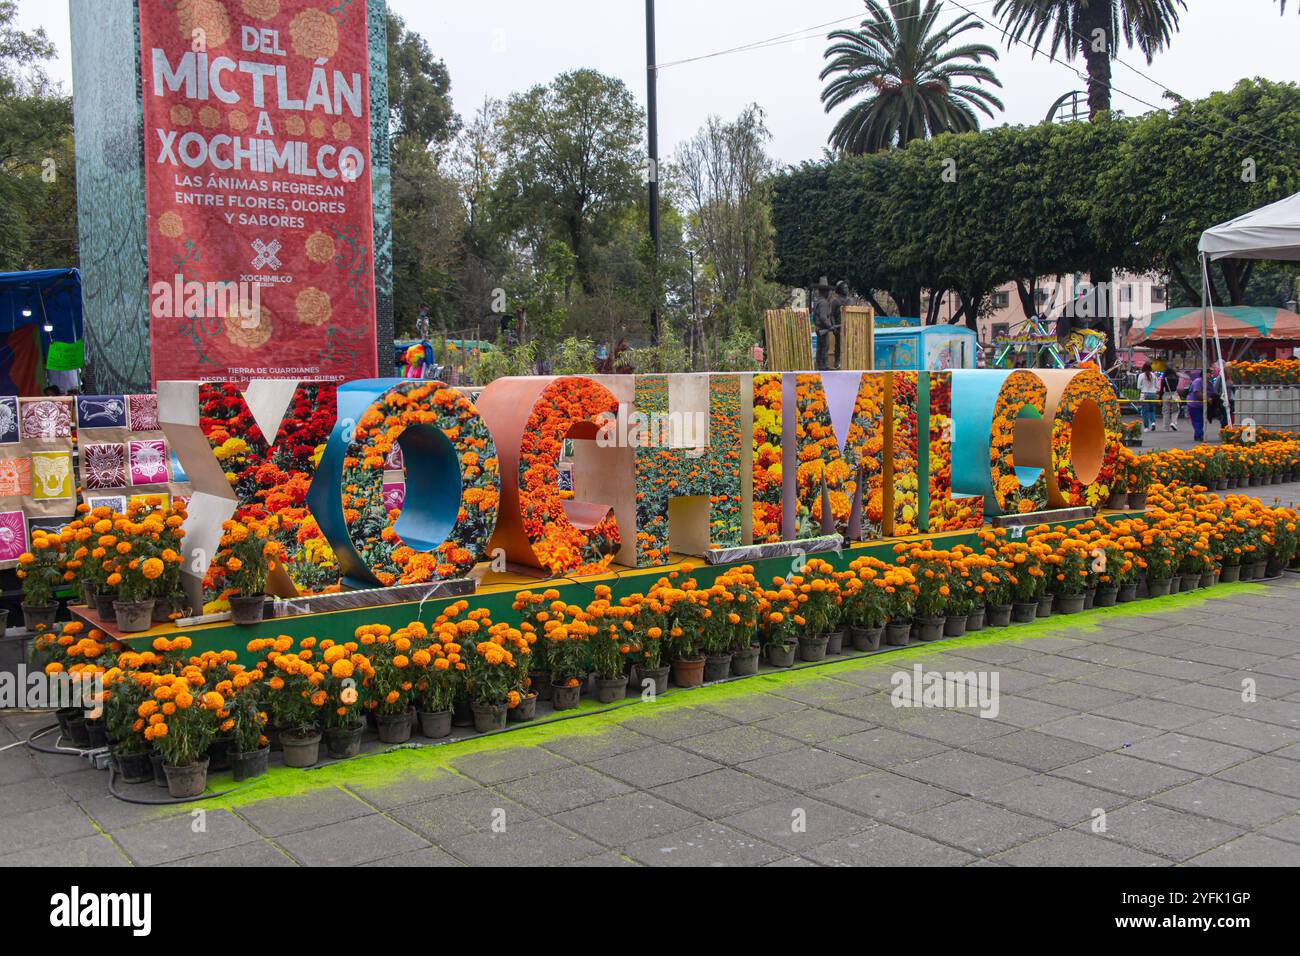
(46, 297)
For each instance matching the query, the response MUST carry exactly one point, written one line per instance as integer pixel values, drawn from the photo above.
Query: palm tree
(912, 83)
(1093, 28)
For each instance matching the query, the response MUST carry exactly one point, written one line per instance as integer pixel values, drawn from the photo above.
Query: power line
(1081, 74)
(804, 33)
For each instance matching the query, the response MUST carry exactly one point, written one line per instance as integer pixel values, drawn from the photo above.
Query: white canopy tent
(1270, 232)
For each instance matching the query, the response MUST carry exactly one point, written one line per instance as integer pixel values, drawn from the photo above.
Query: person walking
(1148, 395)
(1196, 405)
(1169, 399)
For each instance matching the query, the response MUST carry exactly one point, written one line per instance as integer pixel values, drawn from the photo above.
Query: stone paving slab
(1138, 720)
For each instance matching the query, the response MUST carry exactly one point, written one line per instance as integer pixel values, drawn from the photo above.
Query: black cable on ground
(112, 773)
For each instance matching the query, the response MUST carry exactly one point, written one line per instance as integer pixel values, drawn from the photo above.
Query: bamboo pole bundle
(858, 326)
(789, 340)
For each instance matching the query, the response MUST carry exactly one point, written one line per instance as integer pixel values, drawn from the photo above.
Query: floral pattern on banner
(1086, 386)
(46, 418)
(558, 545)
(767, 468)
(103, 466)
(365, 503)
(663, 473)
(13, 535)
(271, 482)
(148, 462)
(1014, 495)
(865, 449)
(946, 513)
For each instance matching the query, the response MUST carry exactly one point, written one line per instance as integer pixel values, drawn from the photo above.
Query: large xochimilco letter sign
(573, 475)
(257, 175)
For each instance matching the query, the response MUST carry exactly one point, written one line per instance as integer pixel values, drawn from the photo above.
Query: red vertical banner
(257, 175)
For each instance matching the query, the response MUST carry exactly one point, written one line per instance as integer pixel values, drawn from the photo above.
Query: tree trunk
(1097, 55)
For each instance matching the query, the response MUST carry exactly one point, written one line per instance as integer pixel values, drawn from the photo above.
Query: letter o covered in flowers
(1017, 456)
(453, 483)
(1085, 436)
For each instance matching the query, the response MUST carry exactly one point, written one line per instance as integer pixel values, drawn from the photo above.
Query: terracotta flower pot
(688, 672)
(436, 724)
(134, 616)
(247, 609)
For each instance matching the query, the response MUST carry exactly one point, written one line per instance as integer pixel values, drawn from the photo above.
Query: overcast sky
(496, 47)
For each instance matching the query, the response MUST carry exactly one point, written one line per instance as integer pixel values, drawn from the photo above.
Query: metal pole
(1205, 345)
(652, 136)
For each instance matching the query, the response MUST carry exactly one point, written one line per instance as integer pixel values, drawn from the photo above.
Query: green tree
(1092, 29)
(908, 81)
(419, 88)
(38, 222)
(724, 178)
(572, 163)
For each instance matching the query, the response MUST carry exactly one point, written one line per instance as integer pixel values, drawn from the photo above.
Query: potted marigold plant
(1069, 579)
(820, 607)
(247, 557)
(1108, 562)
(1027, 580)
(251, 752)
(900, 587)
(188, 723)
(608, 646)
(930, 571)
(781, 625)
(128, 689)
(495, 676)
(715, 641)
(443, 681)
(864, 609)
(41, 571)
(294, 700)
(343, 670)
(647, 628)
(391, 685)
(1159, 558)
(533, 612)
(741, 621)
(688, 609)
(565, 636)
